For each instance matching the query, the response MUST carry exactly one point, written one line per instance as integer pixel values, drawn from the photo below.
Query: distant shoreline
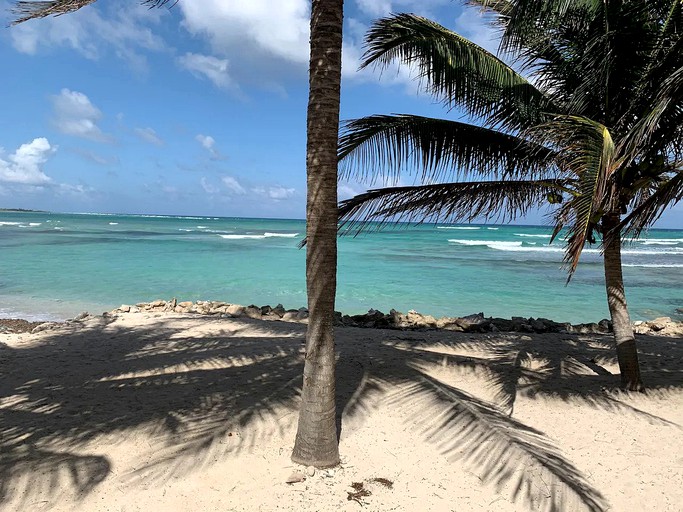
(22, 210)
(390, 225)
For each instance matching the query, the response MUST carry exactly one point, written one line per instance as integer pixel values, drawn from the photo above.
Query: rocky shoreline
(475, 323)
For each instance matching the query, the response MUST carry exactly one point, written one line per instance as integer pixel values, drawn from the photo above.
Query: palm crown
(599, 129)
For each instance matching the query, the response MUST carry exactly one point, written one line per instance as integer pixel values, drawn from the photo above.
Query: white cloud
(375, 7)
(275, 28)
(233, 185)
(206, 66)
(207, 141)
(149, 135)
(473, 25)
(74, 190)
(24, 166)
(346, 190)
(208, 187)
(74, 114)
(278, 193)
(94, 33)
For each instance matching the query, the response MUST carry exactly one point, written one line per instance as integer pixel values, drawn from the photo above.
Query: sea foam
(259, 237)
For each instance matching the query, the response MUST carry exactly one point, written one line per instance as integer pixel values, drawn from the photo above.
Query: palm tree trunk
(627, 355)
(316, 439)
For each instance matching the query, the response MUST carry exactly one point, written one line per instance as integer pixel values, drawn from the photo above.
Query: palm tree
(598, 131)
(316, 441)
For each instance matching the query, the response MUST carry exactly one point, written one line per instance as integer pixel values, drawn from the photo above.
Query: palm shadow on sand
(200, 397)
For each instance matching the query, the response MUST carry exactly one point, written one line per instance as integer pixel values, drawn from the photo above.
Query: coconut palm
(597, 129)
(316, 441)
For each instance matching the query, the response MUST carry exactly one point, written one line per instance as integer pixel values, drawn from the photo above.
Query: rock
(310, 471)
(296, 477)
(448, 324)
(44, 327)
(266, 310)
(659, 324)
(252, 312)
(173, 303)
(279, 310)
(641, 329)
(157, 303)
(185, 304)
(538, 325)
(502, 324)
(123, 308)
(415, 319)
(235, 310)
(302, 314)
(290, 316)
(474, 323)
(605, 325)
(589, 328)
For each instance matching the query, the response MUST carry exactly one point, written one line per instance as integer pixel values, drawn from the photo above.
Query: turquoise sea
(53, 266)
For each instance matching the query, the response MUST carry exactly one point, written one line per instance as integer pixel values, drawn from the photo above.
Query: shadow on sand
(199, 396)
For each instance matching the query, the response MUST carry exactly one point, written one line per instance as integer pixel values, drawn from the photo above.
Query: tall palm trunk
(627, 355)
(316, 439)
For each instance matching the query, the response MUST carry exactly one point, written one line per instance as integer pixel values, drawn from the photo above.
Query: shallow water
(56, 265)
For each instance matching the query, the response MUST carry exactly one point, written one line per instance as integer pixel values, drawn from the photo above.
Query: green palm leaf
(589, 153)
(441, 149)
(455, 70)
(453, 202)
(645, 214)
(501, 7)
(667, 102)
(527, 19)
(28, 10)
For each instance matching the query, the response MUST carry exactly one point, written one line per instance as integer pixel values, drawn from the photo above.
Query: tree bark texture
(627, 355)
(316, 439)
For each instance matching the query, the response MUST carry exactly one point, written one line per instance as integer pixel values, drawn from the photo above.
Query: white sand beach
(179, 412)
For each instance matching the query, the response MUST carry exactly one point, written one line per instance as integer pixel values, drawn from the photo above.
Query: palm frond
(456, 71)
(588, 151)
(454, 202)
(526, 18)
(386, 145)
(667, 102)
(25, 11)
(667, 194)
(28, 10)
(502, 8)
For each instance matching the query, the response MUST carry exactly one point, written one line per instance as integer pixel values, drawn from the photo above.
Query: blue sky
(199, 109)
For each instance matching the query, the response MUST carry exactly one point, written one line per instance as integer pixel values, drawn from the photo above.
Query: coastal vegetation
(596, 130)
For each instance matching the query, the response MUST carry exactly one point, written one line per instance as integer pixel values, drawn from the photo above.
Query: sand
(180, 412)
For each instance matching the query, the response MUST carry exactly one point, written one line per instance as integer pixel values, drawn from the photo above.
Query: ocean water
(54, 266)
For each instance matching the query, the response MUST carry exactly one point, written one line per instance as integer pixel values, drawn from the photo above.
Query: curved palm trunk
(627, 355)
(316, 439)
